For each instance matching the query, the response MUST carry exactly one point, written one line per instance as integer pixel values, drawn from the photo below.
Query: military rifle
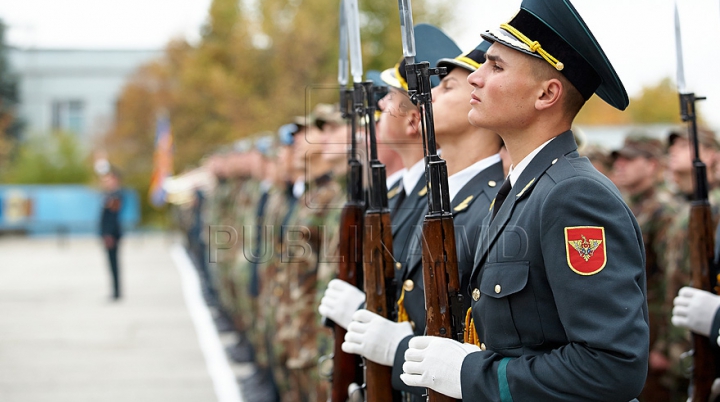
(347, 368)
(443, 298)
(378, 266)
(380, 285)
(701, 233)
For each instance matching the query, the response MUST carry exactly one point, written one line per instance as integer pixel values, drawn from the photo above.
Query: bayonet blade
(679, 53)
(343, 63)
(353, 21)
(407, 31)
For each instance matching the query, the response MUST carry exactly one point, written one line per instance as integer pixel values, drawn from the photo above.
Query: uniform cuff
(503, 385)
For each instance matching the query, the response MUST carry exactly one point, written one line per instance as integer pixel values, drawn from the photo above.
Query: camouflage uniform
(305, 245)
(223, 214)
(278, 204)
(245, 209)
(654, 210)
(675, 341)
(272, 354)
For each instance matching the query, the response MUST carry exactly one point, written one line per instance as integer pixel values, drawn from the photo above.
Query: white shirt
(298, 188)
(457, 181)
(516, 171)
(393, 178)
(412, 175)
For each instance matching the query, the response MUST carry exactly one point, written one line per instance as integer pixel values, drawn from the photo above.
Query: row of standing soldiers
(266, 237)
(273, 302)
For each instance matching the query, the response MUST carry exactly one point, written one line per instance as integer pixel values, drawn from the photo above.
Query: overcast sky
(637, 35)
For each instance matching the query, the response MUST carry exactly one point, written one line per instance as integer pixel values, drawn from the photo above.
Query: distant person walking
(110, 225)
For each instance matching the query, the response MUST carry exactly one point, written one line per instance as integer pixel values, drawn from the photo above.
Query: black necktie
(501, 196)
(401, 195)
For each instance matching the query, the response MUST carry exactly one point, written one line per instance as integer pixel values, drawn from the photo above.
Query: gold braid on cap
(534, 46)
(474, 64)
(400, 78)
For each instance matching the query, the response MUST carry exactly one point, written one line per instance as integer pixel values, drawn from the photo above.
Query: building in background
(72, 90)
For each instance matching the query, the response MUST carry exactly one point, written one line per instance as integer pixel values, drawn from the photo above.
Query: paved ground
(62, 339)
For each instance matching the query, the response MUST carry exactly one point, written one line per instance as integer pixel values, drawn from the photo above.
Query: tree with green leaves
(56, 159)
(10, 124)
(251, 71)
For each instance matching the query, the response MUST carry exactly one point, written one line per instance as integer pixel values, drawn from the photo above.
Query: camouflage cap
(326, 113)
(639, 145)
(303, 121)
(706, 137)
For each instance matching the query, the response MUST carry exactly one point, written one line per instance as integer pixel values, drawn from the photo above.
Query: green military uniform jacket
(555, 325)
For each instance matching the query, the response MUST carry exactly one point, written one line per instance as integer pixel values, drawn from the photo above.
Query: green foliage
(58, 159)
(10, 125)
(658, 103)
(253, 70)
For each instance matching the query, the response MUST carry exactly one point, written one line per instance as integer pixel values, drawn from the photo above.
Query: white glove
(695, 310)
(355, 393)
(715, 389)
(433, 362)
(374, 337)
(340, 302)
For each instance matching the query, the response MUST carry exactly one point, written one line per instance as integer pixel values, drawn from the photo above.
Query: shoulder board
(464, 204)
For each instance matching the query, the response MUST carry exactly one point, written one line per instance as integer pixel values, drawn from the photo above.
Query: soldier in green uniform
(675, 339)
(638, 171)
(220, 222)
(304, 243)
(558, 284)
(680, 161)
(280, 200)
(250, 172)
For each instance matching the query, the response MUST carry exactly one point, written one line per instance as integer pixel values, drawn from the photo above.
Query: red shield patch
(585, 249)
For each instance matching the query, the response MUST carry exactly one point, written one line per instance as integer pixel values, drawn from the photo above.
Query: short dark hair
(573, 101)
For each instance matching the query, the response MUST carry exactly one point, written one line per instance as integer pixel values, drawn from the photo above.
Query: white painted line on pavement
(223, 378)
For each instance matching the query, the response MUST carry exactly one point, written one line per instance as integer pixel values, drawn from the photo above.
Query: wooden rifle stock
(442, 284)
(347, 368)
(379, 274)
(443, 299)
(378, 261)
(702, 244)
(701, 255)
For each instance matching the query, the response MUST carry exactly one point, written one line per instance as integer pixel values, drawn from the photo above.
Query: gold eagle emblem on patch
(585, 249)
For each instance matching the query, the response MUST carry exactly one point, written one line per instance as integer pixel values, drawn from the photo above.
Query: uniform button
(492, 183)
(398, 265)
(482, 347)
(412, 325)
(554, 161)
(498, 289)
(476, 294)
(408, 285)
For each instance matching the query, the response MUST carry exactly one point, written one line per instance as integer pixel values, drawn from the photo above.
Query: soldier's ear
(551, 91)
(413, 118)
